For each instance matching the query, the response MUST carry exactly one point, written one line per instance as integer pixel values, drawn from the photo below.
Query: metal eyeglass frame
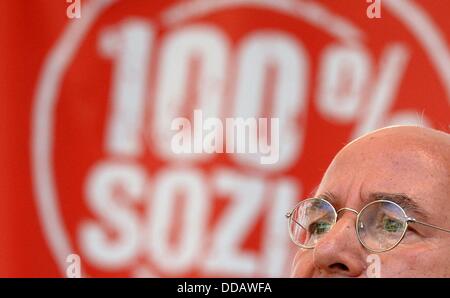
(407, 219)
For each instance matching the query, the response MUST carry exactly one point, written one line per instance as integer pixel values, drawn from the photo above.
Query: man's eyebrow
(328, 196)
(407, 203)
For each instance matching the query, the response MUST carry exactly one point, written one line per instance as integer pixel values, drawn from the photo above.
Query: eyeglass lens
(312, 219)
(380, 225)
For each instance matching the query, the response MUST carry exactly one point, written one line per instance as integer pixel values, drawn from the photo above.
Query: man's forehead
(414, 188)
(408, 170)
(410, 141)
(386, 163)
(375, 153)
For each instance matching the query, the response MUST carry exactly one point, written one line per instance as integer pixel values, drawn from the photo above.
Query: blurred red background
(86, 160)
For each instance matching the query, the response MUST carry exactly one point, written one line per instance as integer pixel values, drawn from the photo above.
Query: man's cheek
(409, 263)
(302, 265)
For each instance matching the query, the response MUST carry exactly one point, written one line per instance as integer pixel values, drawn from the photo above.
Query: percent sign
(375, 113)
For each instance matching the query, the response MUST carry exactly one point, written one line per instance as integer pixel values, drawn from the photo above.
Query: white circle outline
(60, 57)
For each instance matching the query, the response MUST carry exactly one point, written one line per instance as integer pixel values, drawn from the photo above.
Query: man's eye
(319, 227)
(392, 225)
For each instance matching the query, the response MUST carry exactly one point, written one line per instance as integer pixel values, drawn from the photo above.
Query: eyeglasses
(380, 225)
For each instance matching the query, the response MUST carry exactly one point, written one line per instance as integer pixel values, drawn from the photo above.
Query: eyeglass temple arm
(289, 214)
(428, 225)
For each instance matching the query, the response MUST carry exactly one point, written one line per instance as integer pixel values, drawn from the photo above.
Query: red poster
(87, 102)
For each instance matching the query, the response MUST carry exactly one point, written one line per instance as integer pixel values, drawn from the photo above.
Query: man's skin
(405, 160)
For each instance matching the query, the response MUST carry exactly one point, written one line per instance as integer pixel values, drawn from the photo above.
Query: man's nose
(339, 252)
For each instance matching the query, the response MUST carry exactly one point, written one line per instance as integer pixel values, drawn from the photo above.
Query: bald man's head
(423, 143)
(406, 162)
